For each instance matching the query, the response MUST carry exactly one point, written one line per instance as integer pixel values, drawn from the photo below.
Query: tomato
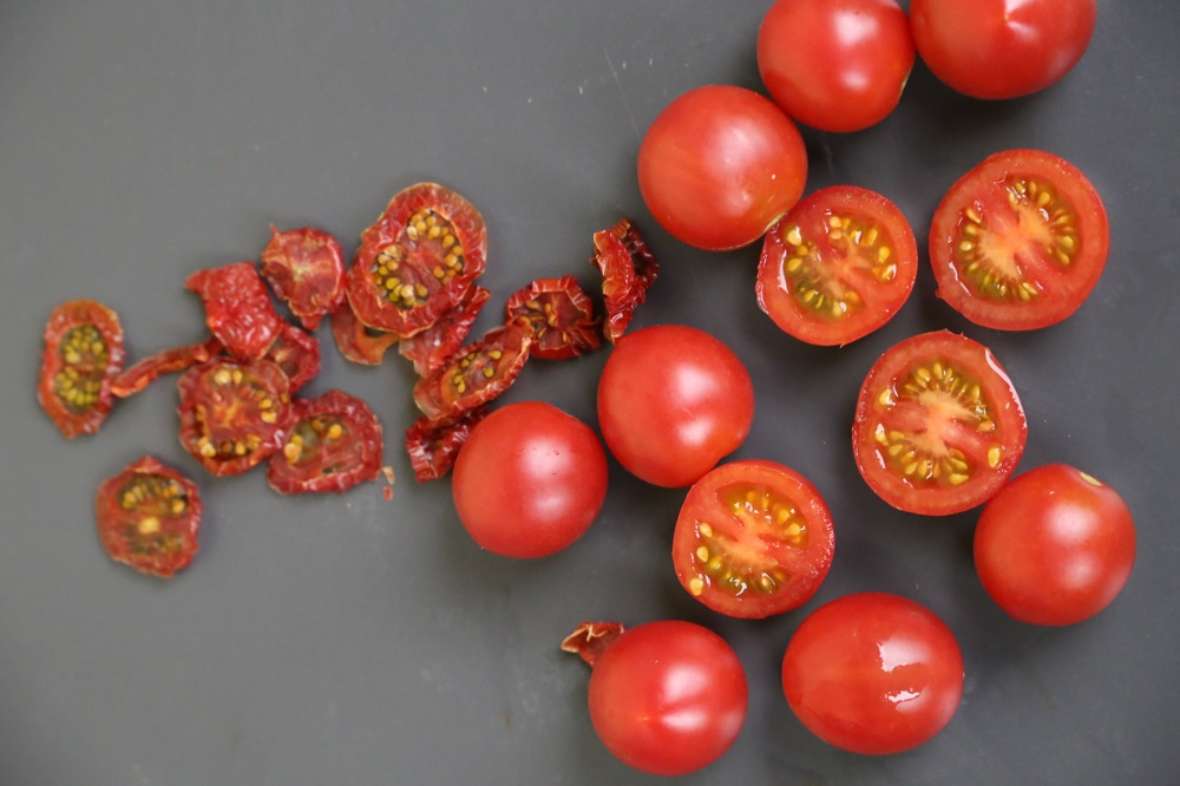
(1055, 546)
(1002, 48)
(720, 165)
(938, 426)
(149, 517)
(477, 374)
(356, 341)
(836, 65)
(433, 347)
(672, 400)
(334, 443)
(433, 447)
(1019, 242)
(628, 270)
(561, 316)
(168, 361)
(873, 673)
(753, 539)
(530, 480)
(83, 353)
(238, 310)
(838, 266)
(297, 353)
(306, 268)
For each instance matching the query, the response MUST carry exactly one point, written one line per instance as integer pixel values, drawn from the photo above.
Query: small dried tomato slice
(628, 271)
(418, 260)
(238, 310)
(83, 352)
(590, 639)
(561, 315)
(434, 346)
(433, 447)
(168, 361)
(233, 414)
(477, 374)
(297, 353)
(148, 517)
(306, 268)
(335, 443)
(358, 342)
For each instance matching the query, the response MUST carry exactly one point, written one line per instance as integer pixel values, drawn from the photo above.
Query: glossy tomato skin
(836, 65)
(529, 481)
(1055, 547)
(995, 49)
(873, 673)
(672, 401)
(668, 697)
(720, 165)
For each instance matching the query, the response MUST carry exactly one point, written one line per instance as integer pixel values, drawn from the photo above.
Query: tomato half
(477, 374)
(720, 165)
(628, 270)
(238, 310)
(334, 443)
(561, 315)
(753, 539)
(433, 347)
(306, 268)
(1055, 546)
(838, 266)
(873, 673)
(83, 353)
(357, 342)
(1019, 242)
(168, 361)
(938, 425)
(836, 65)
(433, 447)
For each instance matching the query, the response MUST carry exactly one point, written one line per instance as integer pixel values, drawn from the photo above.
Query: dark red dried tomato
(418, 260)
(306, 268)
(238, 310)
(148, 517)
(233, 414)
(561, 315)
(356, 342)
(168, 361)
(83, 353)
(590, 639)
(297, 353)
(476, 374)
(335, 443)
(628, 270)
(434, 346)
(433, 447)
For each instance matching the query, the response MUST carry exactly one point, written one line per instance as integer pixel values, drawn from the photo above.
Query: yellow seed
(793, 530)
(412, 231)
(1067, 242)
(292, 451)
(266, 403)
(96, 347)
(838, 308)
(883, 254)
(420, 290)
(889, 273)
(495, 354)
(885, 398)
(957, 463)
(452, 260)
(438, 272)
(702, 553)
(985, 426)
(392, 283)
(809, 295)
(766, 583)
(925, 468)
(974, 393)
(240, 448)
(715, 564)
(956, 479)
(1044, 199)
(794, 263)
(836, 234)
(488, 372)
(851, 297)
(871, 237)
(966, 245)
(923, 374)
(696, 585)
(795, 237)
(434, 232)
(222, 376)
(335, 431)
(177, 507)
(781, 515)
(149, 525)
(1093, 481)
(835, 223)
(973, 216)
(970, 230)
(896, 449)
(268, 417)
(207, 450)
(420, 226)
(993, 456)
(911, 468)
(879, 434)
(461, 386)
(448, 240)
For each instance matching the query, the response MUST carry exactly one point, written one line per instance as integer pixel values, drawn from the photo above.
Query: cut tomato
(297, 353)
(561, 315)
(306, 268)
(938, 427)
(433, 447)
(477, 374)
(434, 346)
(357, 342)
(169, 361)
(83, 353)
(838, 267)
(1020, 241)
(238, 310)
(628, 270)
(335, 443)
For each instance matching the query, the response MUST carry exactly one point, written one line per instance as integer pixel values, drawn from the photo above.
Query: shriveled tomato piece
(233, 414)
(433, 447)
(335, 443)
(306, 268)
(238, 310)
(838, 266)
(561, 316)
(939, 427)
(149, 516)
(477, 374)
(83, 353)
(357, 342)
(590, 639)
(168, 361)
(418, 260)
(434, 346)
(297, 353)
(753, 539)
(628, 270)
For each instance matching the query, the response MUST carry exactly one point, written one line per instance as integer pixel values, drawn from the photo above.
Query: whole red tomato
(672, 401)
(1055, 546)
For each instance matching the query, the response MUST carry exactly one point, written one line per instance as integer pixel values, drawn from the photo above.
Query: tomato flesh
(334, 443)
(83, 352)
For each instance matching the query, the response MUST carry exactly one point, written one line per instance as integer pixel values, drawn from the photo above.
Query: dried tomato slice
(590, 639)
(335, 443)
(418, 260)
(238, 310)
(83, 352)
(357, 342)
(628, 270)
(168, 361)
(297, 353)
(477, 374)
(306, 268)
(561, 315)
(433, 447)
(434, 346)
(148, 517)
(233, 414)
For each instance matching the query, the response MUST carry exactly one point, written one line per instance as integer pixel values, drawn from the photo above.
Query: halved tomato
(753, 539)
(938, 425)
(838, 267)
(1019, 242)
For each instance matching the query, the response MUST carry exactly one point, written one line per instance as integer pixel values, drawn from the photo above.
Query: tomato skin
(668, 697)
(996, 49)
(873, 673)
(720, 165)
(836, 65)
(530, 480)
(1055, 547)
(672, 401)
(238, 310)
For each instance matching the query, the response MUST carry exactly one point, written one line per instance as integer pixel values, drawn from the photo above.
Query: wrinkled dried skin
(433, 447)
(238, 310)
(305, 266)
(628, 270)
(561, 316)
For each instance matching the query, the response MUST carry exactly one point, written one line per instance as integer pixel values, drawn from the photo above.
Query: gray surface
(346, 641)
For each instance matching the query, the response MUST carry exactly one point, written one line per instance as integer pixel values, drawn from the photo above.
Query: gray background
(349, 641)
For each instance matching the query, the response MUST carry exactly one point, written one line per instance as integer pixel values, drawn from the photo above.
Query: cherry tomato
(530, 480)
(297, 353)
(628, 270)
(477, 374)
(753, 539)
(672, 401)
(357, 342)
(238, 310)
(83, 353)
(873, 673)
(1055, 546)
(1002, 48)
(836, 65)
(433, 447)
(433, 347)
(169, 361)
(1019, 242)
(720, 165)
(838, 266)
(334, 443)
(938, 425)
(306, 268)
(561, 316)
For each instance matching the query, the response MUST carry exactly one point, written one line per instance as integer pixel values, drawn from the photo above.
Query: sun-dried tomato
(561, 315)
(417, 261)
(476, 374)
(628, 270)
(356, 342)
(335, 443)
(238, 310)
(590, 639)
(297, 353)
(306, 268)
(433, 447)
(168, 361)
(434, 346)
(149, 516)
(83, 353)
